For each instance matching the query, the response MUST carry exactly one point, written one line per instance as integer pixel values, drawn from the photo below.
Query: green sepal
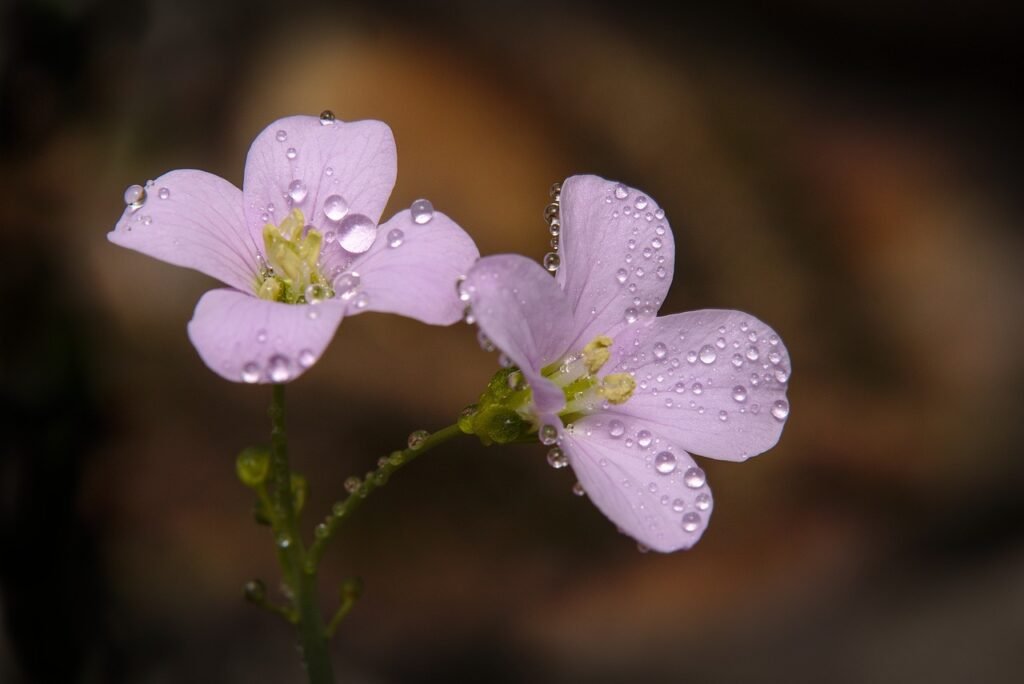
(252, 466)
(300, 492)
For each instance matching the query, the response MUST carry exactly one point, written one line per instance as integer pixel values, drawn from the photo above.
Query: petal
(520, 307)
(412, 269)
(355, 161)
(192, 219)
(712, 381)
(616, 248)
(246, 339)
(645, 484)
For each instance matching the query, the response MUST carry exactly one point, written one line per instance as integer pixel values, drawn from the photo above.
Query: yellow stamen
(617, 388)
(596, 353)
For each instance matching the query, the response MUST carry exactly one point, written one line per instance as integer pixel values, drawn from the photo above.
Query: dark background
(848, 172)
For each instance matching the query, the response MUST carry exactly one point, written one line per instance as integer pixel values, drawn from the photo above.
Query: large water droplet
(707, 354)
(691, 521)
(641, 202)
(395, 238)
(548, 434)
(665, 463)
(251, 372)
(739, 393)
(422, 211)
(164, 193)
(134, 196)
(335, 207)
(780, 410)
(357, 233)
(346, 285)
(620, 191)
(694, 477)
(327, 118)
(279, 368)
(697, 388)
(753, 353)
(631, 315)
(616, 429)
(292, 153)
(557, 458)
(297, 190)
(643, 439)
(551, 261)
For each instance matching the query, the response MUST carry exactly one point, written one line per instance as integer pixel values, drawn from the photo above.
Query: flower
(299, 246)
(621, 395)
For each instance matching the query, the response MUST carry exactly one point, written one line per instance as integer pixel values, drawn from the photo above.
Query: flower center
(291, 272)
(504, 412)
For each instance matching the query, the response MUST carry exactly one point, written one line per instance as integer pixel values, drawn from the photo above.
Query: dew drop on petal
(665, 463)
(548, 435)
(616, 429)
(707, 354)
(292, 153)
(307, 358)
(660, 350)
(753, 354)
(395, 238)
(297, 190)
(346, 284)
(622, 275)
(631, 315)
(780, 410)
(134, 196)
(782, 375)
(643, 439)
(641, 202)
(694, 477)
(723, 416)
(357, 233)
(164, 193)
(551, 261)
(261, 336)
(557, 458)
(327, 118)
(279, 368)
(335, 207)
(703, 501)
(697, 388)
(362, 301)
(737, 361)
(281, 135)
(739, 393)
(251, 372)
(621, 192)
(422, 211)
(691, 521)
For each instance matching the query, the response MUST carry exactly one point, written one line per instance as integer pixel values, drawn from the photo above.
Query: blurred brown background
(846, 171)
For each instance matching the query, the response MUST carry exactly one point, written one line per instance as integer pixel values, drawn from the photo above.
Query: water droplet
(691, 521)
(346, 285)
(251, 372)
(723, 416)
(782, 375)
(297, 190)
(335, 207)
(327, 118)
(557, 458)
(622, 275)
(261, 336)
(292, 153)
(315, 293)
(578, 490)
(620, 191)
(418, 438)
(548, 435)
(362, 300)
(281, 136)
(694, 477)
(737, 360)
(551, 261)
(356, 233)
(284, 541)
(164, 193)
(697, 388)
(753, 353)
(422, 211)
(134, 196)
(739, 393)
(665, 463)
(707, 354)
(703, 501)
(641, 202)
(631, 315)
(656, 243)
(643, 439)
(279, 368)
(352, 484)
(395, 238)
(616, 429)
(146, 220)
(780, 409)
(660, 350)
(774, 357)
(680, 387)
(691, 356)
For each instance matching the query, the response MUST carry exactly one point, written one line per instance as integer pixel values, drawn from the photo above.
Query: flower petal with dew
(621, 395)
(300, 246)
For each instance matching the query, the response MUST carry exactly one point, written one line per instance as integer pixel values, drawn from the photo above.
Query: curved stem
(290, 551)
(377, 478)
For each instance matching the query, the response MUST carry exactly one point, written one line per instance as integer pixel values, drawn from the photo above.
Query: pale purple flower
(298, 246)
(621, 395)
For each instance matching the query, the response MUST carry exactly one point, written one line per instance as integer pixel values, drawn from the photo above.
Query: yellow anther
(293, 258)
(596, 353)
(617, 388)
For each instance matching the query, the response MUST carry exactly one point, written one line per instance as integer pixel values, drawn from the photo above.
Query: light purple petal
(246, 339)
(412, 269)
(712, 381)
(355, 161)
(645, 484)
(520, 307)
(192, 219)
(616, 248)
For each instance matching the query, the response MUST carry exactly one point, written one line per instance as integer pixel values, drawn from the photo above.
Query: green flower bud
(499, 424)
(252, 466)
(300, 492)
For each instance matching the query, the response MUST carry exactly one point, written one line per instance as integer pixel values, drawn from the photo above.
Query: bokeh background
(846, 171)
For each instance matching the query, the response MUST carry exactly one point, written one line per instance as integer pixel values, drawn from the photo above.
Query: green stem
(377, 478)
(300, 579)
